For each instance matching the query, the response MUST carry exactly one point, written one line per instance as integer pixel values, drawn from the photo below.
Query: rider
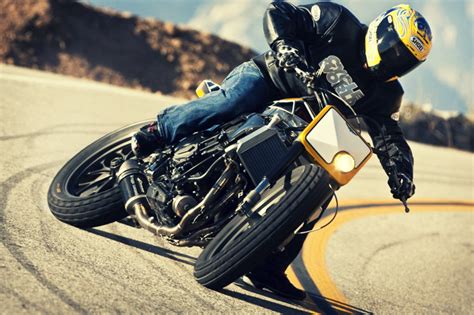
(358, 64)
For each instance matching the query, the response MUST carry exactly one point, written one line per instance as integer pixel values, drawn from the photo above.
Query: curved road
(371, 259)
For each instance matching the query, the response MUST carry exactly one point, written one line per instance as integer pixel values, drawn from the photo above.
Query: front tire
(83, 193)
(239, 246)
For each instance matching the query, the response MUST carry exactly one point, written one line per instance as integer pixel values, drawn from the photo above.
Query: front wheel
(84, 193)
(240, 246)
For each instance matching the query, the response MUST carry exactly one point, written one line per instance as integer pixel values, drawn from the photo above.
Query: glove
(288, 57)
(403, 188)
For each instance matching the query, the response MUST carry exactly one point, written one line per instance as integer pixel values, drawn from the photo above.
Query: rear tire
(239, 247)
(73, 200)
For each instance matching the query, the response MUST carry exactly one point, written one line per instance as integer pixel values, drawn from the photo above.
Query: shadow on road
(182, 258)
(330, 306)
(323, 304)
(273, 306)
(313, 302)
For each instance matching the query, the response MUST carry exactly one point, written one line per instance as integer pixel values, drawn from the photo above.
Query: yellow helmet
(396, 42)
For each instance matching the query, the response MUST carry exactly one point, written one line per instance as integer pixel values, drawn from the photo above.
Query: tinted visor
(396, 59)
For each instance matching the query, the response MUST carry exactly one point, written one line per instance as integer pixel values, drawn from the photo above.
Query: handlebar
(306, 77)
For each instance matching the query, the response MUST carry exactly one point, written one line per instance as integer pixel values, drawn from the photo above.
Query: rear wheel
(84, 193)
(240, 245)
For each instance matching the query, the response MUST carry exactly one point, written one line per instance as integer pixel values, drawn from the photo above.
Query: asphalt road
(371, 259)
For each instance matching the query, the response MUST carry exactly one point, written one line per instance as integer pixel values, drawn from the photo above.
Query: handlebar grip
(307, 78)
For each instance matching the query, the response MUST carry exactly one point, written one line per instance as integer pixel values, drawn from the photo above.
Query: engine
(182, 175)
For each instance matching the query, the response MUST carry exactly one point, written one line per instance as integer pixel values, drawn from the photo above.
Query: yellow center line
(314, 248)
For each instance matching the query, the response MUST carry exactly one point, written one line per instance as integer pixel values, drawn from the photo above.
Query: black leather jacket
(332, 40)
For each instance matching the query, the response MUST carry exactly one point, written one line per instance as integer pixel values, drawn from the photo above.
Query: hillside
(76, 39)
(438, 128)
(72, 38)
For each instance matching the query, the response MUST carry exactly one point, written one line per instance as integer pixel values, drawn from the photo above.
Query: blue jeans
(244, 90)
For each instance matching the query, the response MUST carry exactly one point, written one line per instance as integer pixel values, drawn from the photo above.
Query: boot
(146, 140)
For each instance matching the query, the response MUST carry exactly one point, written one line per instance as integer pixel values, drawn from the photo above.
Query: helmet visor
(396, 58)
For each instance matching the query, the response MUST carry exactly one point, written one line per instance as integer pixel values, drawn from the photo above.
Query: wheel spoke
(99, 172)
(124, 155)
(128, 155)
(99, 189)
(97, 176)
(88, 185)
(103, 164)
(95, 180)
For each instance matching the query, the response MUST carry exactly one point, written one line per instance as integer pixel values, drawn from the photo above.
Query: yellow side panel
(340, 177)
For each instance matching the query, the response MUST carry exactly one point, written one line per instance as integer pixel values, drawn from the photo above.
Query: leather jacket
(331, 39)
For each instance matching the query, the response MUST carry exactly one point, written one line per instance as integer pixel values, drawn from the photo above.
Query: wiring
(330, 221)
(355, 115)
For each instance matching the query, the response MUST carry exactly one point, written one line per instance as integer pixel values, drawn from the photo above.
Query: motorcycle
(240, 190)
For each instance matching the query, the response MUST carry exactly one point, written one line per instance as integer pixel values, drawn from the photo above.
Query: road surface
(372, 258)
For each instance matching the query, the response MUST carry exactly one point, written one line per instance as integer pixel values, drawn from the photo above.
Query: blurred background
(445, 81)
(152, 45)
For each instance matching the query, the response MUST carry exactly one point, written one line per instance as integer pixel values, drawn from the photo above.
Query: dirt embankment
(72, 38)
(428, 126)
(75, 39)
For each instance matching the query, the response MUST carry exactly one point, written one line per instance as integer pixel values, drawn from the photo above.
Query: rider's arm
(285, 22)
(381, 112)
(393, 144)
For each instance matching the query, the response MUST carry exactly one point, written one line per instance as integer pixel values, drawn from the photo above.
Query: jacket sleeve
(394, 144)
(286, 22)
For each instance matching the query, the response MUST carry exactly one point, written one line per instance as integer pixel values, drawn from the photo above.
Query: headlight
(344, 162)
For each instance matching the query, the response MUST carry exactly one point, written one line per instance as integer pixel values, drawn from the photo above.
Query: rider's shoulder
(389, 94)
(393, 87)
(326, 15)
(324, 5)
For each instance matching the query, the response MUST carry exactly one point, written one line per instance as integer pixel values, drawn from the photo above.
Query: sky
(444, 81)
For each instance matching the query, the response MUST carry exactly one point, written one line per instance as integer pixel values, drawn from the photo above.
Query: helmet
(396, 42)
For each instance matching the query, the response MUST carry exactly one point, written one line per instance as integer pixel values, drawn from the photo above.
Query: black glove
(397, 161)
(401, 186)
(288, 57)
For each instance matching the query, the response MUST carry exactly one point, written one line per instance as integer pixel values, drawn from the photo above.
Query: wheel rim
(94, 174)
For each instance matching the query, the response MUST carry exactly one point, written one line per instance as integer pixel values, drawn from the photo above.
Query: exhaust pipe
(134, 184)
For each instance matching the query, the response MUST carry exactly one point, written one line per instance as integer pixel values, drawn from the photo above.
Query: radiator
(260, 151)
